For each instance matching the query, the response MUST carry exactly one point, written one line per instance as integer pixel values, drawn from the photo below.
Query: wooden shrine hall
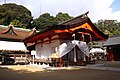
(68, 40)
(11, 41)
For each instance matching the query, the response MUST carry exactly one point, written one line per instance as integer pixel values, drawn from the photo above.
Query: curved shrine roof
(10, 33)
(78, 25)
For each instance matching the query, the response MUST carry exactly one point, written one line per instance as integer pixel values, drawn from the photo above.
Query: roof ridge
(16, 28)
(80, 16)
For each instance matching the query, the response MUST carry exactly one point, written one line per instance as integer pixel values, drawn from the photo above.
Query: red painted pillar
(60, 61)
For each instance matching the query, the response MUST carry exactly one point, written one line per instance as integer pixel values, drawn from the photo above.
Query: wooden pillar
(110, 56)
(60, 61)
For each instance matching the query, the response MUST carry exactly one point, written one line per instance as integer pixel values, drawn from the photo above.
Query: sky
(98, 9)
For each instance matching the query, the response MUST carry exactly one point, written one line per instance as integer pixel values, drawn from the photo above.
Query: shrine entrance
(76, 57)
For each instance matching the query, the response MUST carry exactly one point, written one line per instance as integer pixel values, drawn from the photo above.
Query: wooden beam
(47, 41)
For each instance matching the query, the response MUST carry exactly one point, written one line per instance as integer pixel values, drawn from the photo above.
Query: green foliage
(61, 17)
(46, 21)
(18, 15)
(109, 27)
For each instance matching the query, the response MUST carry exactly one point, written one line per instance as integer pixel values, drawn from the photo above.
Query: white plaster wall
(45, 50)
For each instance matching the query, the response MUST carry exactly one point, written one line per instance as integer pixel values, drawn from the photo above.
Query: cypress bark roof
(10, 33)
(80, 24)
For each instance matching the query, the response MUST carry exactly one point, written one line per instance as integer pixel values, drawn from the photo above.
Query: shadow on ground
(78, 74)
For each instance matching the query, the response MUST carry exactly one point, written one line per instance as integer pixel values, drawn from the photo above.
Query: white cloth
(67, 47)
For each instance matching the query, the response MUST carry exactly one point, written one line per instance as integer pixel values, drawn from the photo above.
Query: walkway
(112, 66)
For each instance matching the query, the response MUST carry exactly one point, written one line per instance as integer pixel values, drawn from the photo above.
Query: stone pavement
(101, 67)
(106, 65)
(112, 66)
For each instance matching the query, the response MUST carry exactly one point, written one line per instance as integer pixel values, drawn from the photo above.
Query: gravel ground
(21, 72)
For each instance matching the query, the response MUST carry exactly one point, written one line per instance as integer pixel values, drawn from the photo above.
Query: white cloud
(102, 9)
(99, 9)
(115, 16)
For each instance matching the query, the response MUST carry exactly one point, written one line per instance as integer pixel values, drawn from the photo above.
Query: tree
(109, 27)
(61, 17)
(15, 14)
(44, 21)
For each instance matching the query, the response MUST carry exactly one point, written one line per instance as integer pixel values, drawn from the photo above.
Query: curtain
(67, 47)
